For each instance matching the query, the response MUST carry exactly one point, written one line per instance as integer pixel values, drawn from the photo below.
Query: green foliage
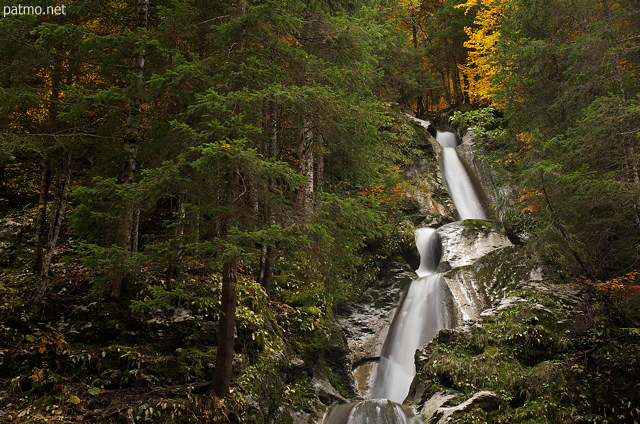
(485, 124)
(97, 212)
(228, 92)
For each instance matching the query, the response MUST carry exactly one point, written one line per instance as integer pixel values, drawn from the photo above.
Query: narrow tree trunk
(305, 165)
(445, 85)
(56, 219)
(223, 369)
(41, 218)
(222, 372)
(267, 259)
(319, 173)
(270, 259)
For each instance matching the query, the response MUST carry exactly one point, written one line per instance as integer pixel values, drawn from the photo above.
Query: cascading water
(418, 319)
(458, 181)
(421, 313)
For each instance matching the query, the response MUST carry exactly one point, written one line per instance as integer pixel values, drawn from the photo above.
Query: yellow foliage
(532, 198)
(525, 140)
(480, 69)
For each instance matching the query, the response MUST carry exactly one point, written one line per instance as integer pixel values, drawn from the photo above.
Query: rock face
(464, 242)
(463, 245)
(487, 176)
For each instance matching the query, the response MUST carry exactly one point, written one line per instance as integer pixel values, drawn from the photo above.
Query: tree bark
(41, 218)
(305, 165)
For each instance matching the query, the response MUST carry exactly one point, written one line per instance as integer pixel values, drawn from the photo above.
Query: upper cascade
(458, 181)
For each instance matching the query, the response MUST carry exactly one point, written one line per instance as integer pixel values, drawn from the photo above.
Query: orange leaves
(388, 197)
(377, 190)
(532, 199)
(623, 286)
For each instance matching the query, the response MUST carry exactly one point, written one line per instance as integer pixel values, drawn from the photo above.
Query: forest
(192, 190)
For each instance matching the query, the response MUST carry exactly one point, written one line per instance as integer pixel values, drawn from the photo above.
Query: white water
(458, 181)
(418, 319)
(376, 411)
(447, 139)
(428, 245)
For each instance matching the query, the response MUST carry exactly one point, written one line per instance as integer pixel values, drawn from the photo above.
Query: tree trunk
(305, 165)
(56, 219)
(41, 218)
(319, 173)
(223, 370)
(127, 229)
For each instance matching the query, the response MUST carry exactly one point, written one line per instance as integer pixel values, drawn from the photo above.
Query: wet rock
(474, 273)
(464, 242)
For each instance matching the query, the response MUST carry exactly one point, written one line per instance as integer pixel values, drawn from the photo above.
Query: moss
(513, 355)
(475, 226)
(549, 359)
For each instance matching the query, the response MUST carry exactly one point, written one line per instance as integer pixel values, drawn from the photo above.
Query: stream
(421, 313)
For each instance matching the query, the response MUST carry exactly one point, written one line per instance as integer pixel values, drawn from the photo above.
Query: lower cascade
(419, 317)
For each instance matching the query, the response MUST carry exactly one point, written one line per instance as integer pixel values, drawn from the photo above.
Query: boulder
(464, 242)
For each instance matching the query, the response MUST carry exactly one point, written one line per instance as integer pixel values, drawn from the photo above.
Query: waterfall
(458, 181)
(421, 313)
(447, 139)
(418, 318)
